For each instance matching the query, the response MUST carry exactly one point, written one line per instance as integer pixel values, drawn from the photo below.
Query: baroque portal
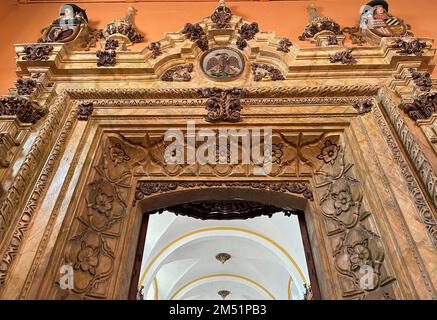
(117, 166)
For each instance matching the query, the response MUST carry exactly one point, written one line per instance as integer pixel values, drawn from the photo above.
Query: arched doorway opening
(224, 249)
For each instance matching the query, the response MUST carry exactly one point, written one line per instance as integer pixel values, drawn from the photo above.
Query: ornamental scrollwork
(422, 80)
(423, 106)
(406, 48)
(345, 57)
(178, 73)
(262, 71)
(222, 105)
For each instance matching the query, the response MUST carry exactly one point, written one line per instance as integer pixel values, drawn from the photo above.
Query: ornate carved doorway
(232, 249)
(92, 158)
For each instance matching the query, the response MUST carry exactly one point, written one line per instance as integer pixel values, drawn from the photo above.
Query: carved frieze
(223, 105)
(178, 73)
(423, 106)
(146, 188)
(106, 58)
(26, 111)
(262, 71)
(195, 33)
(246, 32)
(345, 57)
(37, 52)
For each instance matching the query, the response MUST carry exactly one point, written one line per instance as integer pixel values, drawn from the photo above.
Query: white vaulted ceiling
(267, 258)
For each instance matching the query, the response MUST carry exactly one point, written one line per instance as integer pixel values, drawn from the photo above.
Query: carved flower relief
(103, 203)
(329, 152)
(118, 155)
(342, 202)
(359, 255)
(87, 259)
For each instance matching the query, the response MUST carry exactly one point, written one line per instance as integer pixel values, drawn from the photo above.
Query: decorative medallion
(222, 64)
(223, 257)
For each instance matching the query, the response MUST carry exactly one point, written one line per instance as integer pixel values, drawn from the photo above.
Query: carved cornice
(146, 188)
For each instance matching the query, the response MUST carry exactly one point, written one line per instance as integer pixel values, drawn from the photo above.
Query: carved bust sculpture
(377, 22)
(67, 26)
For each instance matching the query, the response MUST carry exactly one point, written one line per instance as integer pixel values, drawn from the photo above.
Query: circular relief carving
(222, 64)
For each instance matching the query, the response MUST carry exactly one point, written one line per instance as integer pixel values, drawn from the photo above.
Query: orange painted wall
(20, 23)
